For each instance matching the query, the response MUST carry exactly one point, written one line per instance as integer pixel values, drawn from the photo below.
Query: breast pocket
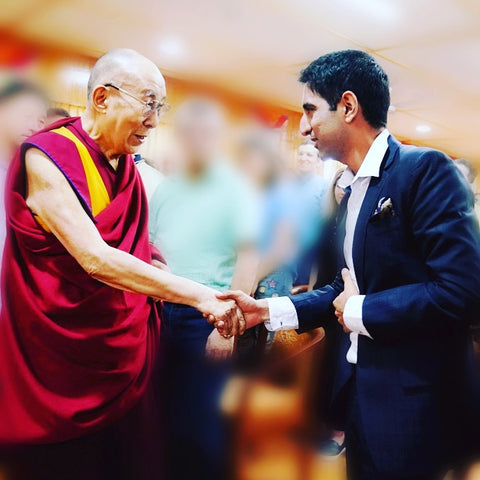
(384, 224)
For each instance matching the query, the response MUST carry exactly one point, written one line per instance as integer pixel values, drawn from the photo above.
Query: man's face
(22, 116)
(307, 158)
(127, 124)
(326, 128)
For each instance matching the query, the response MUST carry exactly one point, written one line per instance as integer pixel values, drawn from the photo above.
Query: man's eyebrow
(309, 106)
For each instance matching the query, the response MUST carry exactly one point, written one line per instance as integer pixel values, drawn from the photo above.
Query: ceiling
(429, 48)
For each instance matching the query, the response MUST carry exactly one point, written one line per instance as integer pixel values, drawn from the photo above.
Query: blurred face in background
(306, 160)
(258, 165)
(169, 161)
(198, 128)
(21, 116)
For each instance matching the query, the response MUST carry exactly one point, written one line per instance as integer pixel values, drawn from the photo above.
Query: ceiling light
(171, 47)
(423, 128)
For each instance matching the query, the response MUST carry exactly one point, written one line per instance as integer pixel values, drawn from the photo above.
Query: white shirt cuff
(283, 315)
(352, 315)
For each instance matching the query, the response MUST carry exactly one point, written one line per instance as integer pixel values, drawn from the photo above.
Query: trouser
(360, 465)
(190, 387)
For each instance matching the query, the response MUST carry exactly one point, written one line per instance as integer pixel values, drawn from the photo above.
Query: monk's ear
(349, 106)
(100, 99)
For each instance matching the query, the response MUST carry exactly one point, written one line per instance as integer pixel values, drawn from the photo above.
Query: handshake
(234, 311)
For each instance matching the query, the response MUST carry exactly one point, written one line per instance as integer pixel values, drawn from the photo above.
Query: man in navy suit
(410, 288)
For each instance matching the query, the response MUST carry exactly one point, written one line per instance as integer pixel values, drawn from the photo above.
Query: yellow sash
(98, 193)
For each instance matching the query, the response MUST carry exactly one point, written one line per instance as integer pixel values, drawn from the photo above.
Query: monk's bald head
(126, 93)
(123, 65)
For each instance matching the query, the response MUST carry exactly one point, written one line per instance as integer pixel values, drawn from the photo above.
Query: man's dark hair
(333, 74)
(57, 111)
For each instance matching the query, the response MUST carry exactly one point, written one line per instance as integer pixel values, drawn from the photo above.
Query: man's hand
(349, 290)
(254, 311)
(218, 347)
(226, 316)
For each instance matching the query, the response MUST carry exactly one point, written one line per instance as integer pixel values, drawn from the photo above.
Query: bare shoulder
(43, 175)
(40, 167)
(47, 187)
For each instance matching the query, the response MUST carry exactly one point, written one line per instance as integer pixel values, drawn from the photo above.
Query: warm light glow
(379, 9)
(423, 128)
(172, 47)
(75, 75)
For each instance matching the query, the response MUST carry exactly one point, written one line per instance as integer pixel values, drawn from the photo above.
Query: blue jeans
(190, 388)
(278, 284)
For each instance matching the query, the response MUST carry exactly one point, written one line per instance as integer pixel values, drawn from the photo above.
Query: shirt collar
(370, 166)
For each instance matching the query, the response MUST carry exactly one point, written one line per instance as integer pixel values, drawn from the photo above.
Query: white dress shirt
(283, 315)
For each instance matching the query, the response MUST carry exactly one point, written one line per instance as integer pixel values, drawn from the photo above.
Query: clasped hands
(240, 311)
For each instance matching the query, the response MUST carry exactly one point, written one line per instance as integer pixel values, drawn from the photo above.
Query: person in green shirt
(204, 220)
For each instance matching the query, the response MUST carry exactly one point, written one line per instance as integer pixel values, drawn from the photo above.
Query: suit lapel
(373, 195)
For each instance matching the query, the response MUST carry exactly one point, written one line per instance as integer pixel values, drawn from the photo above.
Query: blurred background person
(310, 202)
(56, 113)
(326, 262)
(151, 176)
(470, 172)
(261, 161)
(203, 217)
(23, 108)
(169, 161)
(326, 266)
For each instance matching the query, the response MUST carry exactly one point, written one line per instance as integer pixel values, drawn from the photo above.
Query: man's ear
(350, 106)
(100, 99)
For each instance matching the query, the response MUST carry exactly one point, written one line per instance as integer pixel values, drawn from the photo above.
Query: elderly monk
(79, 326)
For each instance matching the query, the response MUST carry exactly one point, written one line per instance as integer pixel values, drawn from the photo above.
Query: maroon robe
(75, 354)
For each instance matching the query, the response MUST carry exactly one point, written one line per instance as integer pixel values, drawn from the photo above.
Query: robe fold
(75, 354)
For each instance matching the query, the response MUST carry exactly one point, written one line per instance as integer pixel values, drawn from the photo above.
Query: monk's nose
(152, 120)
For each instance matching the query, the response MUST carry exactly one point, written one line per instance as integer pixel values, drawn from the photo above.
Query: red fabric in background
(75, 354)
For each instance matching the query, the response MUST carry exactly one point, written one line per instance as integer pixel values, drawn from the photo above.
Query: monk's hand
(254, 312)
(226, 316)
(218, 347)
(349, 290)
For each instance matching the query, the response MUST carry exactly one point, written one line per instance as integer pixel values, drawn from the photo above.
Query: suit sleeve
(315, 309)
(445, 234)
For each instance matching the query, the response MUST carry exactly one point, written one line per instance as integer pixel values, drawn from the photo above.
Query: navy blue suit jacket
(420, 272)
